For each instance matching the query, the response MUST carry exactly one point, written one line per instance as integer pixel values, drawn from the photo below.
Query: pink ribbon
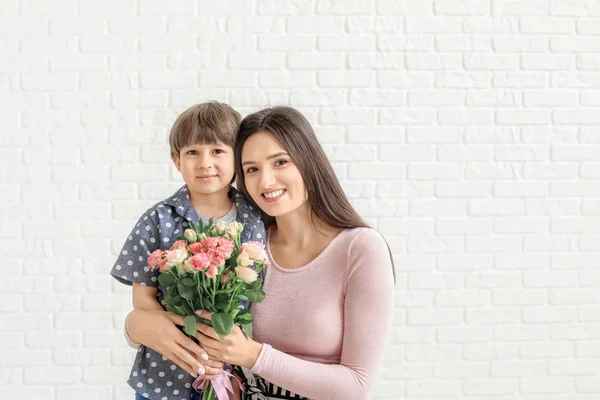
(221, 383)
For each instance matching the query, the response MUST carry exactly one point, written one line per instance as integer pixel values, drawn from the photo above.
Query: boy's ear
(175, 158)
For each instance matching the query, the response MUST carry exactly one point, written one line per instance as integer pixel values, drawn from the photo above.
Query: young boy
(201, 142)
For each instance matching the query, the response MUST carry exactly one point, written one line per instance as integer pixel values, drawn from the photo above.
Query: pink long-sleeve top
(324, 326)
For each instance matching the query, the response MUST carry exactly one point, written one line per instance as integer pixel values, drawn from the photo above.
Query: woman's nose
(267, 179)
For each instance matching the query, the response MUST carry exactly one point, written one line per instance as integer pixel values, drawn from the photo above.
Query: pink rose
(212, 271)
(210, 242)
(180, 244)
(225, 247)
(196, 248)
(155, 258)
(201, 261)
(246, 274)
(225, 277)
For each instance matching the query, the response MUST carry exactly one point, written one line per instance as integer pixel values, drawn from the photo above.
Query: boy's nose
(204, 162)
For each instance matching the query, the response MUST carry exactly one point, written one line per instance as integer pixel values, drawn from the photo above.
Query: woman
(321, 331)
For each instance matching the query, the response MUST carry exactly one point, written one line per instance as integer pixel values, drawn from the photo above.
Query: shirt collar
(180, 201)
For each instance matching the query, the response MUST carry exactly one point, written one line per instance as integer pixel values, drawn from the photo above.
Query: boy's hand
(157, 330)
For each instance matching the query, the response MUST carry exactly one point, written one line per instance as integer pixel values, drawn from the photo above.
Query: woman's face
(271, 177)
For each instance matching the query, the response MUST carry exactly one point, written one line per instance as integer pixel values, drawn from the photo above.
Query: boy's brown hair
(204, 123)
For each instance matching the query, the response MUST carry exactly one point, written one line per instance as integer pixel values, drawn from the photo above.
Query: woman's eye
(250, 170)
(280, 162)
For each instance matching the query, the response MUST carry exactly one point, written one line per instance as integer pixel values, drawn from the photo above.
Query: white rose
(246, 274)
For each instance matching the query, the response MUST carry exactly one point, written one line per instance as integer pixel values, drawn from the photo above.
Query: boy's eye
(191, 152)
(219, 151)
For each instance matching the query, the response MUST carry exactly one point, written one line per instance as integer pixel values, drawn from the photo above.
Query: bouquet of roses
(208, 268)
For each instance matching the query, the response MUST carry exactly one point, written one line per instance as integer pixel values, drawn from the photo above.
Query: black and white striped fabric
(256, 388)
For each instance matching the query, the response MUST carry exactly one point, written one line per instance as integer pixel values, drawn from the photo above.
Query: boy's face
(206, 168)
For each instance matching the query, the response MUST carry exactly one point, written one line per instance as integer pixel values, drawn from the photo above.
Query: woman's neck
(300, 229)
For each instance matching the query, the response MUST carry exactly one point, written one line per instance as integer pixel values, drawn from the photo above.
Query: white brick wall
(468, 132)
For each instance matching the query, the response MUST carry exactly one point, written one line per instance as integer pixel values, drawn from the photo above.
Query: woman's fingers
(176, 319)
(192, 347)
(181, 363)
(207, 331)
(208, 342)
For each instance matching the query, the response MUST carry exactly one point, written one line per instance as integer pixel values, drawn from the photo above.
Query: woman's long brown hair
(327, 199)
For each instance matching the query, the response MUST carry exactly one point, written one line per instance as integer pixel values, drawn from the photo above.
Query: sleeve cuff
(258, 365)
(130, 342)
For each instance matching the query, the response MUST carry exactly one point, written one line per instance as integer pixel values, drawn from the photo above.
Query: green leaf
(185, 292)
(256, 297)
(255, 285)
(166, 279)
(189, 282)
(221, 298)
(190, 325)
(187, 309)
(247, 329)
(222, 323)
(244, 317)
(241, 297)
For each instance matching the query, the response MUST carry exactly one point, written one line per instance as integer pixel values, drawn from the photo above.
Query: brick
(405, 189)
(52, 8)
(416, 116)
(582, 8)
(437, 317)
(546, 25)
(543, 62)
(436, 98)
(554, 135)
(406, 153)
(438, 207)
(413, 80)
(492, 98)
(463, 43)
(287, 42)
(433, 62)
(278, 80)
(548, 98)
(518, 368)
(376, 97)
(579, 44)
(521, 80)
(405, 43)
(445, 226)
(462, 298)
(340, 78)
(520, 189)
(351, 7)
(463, 189)
(376, 24)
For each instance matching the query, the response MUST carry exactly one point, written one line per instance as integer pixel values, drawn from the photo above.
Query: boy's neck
(214, 205)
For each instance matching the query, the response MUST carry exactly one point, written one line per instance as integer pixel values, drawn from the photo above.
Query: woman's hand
(237, 348)
(158, 330)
